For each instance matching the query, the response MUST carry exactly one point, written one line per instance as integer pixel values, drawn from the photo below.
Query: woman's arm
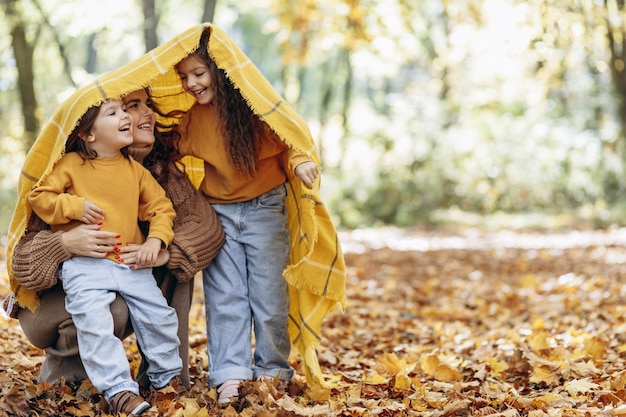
(40, 251)
(38, 255)
(198, 233)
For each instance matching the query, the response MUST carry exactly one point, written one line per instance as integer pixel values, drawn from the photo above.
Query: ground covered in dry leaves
(465, 323)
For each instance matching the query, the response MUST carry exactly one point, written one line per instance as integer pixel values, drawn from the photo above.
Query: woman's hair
(75, 141)
(240, 126)
(163, 150)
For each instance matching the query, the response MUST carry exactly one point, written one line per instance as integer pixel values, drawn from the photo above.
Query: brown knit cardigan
(198, 237)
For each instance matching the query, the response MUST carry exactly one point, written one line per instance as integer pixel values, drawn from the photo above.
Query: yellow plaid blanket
(316, 274)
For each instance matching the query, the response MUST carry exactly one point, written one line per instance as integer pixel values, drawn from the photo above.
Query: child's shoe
(228, 391)
(129, 403)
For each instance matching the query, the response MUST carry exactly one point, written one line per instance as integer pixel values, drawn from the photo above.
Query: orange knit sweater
(222, 182)
(122, 187)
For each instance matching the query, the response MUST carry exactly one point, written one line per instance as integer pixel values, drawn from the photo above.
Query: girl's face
(111, 131)
(139, 107)
(196, 79)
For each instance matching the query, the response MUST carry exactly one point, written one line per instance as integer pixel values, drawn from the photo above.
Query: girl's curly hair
(240, 126)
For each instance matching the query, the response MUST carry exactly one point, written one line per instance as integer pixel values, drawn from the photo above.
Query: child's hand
(307, 172)
(128, 253)
(148, 252)
(92, 214)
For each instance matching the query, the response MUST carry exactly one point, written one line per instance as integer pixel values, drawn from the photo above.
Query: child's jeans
(244, 285)
(91, 285)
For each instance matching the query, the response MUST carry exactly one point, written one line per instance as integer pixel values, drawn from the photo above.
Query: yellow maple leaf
(375, 378)
(577, 387)
(191, 408)
(403, 382)
(544, 374)
(318, 393)
(497, 367)
(398, 367)
(391, 363)
(618, 382)
(595, 348)
(440, 370)
(539, 341)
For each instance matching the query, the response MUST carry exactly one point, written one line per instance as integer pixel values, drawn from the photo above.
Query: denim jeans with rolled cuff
(245, 291)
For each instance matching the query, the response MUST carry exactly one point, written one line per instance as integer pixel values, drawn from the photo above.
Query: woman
(198, 236)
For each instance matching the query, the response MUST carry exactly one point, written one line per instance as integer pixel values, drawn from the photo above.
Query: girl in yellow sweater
(245, 166)
(96, 182)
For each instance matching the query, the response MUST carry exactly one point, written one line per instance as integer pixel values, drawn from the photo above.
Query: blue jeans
(91, 285)
(244, 288)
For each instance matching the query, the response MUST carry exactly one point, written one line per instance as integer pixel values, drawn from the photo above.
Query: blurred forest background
(426, 112)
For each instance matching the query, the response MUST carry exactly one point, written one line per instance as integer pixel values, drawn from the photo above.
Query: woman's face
(139, 107)
(196, 79)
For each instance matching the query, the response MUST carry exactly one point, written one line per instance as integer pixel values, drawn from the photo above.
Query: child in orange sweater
(95, 181)
(245, 176)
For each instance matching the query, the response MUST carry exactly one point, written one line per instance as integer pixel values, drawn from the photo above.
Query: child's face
(139, 107)
(112, 129)
(196, 79)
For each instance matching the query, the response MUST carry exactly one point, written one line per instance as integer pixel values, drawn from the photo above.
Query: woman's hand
(128, 255)
(89, 240)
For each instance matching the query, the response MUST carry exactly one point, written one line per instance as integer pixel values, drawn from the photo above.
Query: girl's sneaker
(228, 391)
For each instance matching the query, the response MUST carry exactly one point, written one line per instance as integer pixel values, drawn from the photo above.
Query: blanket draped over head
(316, 273)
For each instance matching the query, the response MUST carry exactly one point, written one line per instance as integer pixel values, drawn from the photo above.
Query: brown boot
(128, 403)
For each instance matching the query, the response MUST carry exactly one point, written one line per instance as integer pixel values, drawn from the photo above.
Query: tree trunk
(617, 61)
(55, 33)
(23, 53)
(327, 84)
(347, 101)
(150, 22)
(92, 53)
(209, 11)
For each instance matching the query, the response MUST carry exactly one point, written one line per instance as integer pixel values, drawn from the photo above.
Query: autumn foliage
(439, 324)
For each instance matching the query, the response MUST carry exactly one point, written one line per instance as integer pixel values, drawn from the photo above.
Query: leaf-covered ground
(468, 323)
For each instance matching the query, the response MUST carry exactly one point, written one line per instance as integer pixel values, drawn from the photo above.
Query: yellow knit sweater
(123, 188)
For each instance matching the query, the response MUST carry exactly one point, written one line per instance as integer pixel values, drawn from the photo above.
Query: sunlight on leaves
(429, 344)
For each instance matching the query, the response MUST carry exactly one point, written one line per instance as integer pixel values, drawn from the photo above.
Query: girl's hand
(92, 214)
(148, 252)
(307, 172)
(89, 240)
(128, 255)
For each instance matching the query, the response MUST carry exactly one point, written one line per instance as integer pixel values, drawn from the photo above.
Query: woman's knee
(52, 326)
(41, 327)
(121, 318)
